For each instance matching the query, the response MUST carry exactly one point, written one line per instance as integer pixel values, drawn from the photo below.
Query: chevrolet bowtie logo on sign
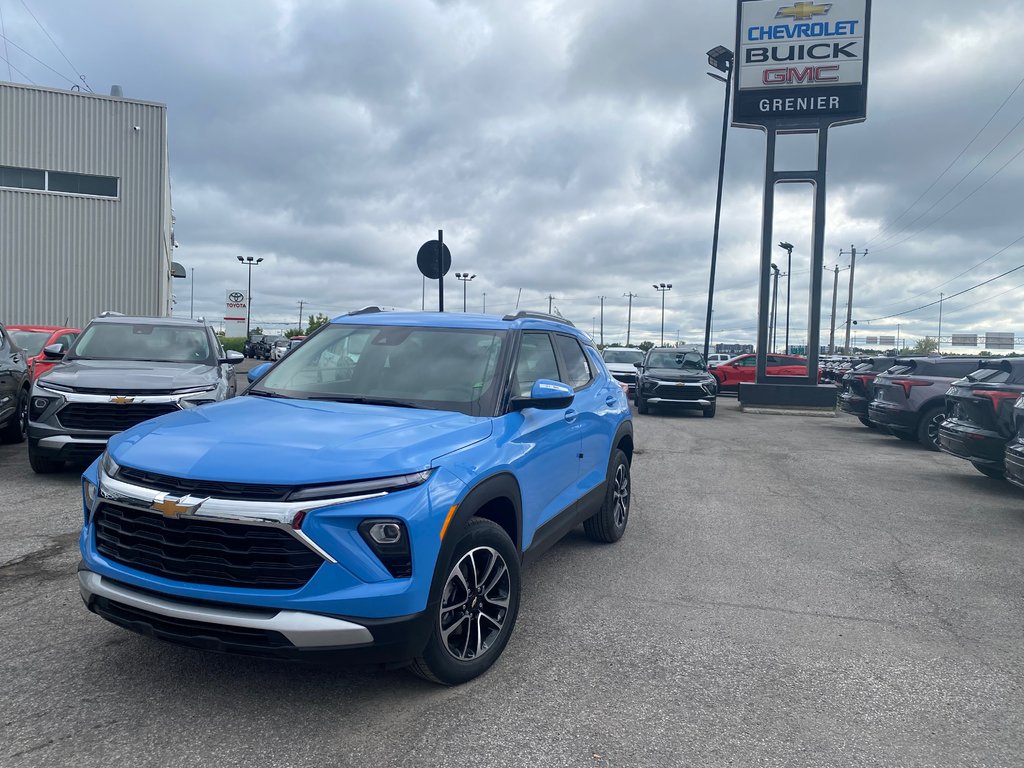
(168, 506)
(803, 11)
(122, 400)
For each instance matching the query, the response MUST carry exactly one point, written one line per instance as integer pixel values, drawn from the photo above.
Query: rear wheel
(988, 471)
(609, 523)
(928, 427)
(477, 610)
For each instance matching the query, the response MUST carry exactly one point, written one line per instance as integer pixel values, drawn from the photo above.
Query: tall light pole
(484, 310)
(250, 262)
(721, 58)
(664, 288)
(788, 248)
(465, 277)
(602, 298)
(938, 339)
(832, 333)
(629, 314)
(775, 305)
(192, 298)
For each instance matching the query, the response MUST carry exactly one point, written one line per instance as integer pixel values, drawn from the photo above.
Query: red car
(744, 368)
(32, 339)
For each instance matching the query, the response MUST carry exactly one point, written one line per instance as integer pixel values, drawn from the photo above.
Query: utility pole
(849, 300)
(551, 300)
(774, 330)
(832, 333)
(484, 311)
(302, 303)
(898, 347)
(602, 320)
(629, 315)
(788, 248)
(192, 300)
(938, 339)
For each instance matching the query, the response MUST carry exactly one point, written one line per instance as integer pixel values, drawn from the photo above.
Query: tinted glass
(30, 341)
(437, 368)
(578, 373)
(623, 356)
(675, 360)
(155, 343)
(536, 361)
(22, 178)
(989, 375)
(83, 184)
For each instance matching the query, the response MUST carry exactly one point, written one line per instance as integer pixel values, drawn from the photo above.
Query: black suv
(119, 372)
(257, 347)
(1013, 458)
(670, 376)
(979, 414)
(910, 397)
(14, 390)
(857, 384)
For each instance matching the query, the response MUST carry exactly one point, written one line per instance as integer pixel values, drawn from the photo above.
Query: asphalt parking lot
(791, 591)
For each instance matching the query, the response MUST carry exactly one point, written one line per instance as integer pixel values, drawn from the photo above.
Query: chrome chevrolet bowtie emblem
(168, 506)
(122, 400)
(803, 10)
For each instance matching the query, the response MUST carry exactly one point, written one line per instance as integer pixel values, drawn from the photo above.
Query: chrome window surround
(273, 514)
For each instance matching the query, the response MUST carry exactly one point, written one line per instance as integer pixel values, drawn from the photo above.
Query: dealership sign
(801, 62)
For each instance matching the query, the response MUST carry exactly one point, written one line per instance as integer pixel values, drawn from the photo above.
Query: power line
(73, 69)
(38, 61)
(948, 167)
(7, 53)
(8, 63)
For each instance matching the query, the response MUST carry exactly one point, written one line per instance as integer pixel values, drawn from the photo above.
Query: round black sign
(426, 260)
(237, 297)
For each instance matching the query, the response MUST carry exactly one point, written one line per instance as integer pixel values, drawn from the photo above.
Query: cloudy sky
(568, 148)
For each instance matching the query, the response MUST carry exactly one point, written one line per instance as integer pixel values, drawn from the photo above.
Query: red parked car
(744, 368)
(32, 339)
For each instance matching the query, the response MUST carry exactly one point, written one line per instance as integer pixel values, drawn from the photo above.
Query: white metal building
(85, 206)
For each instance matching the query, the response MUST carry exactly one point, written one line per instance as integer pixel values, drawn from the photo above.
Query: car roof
(522, 321)
(126, 319)
(39, 328)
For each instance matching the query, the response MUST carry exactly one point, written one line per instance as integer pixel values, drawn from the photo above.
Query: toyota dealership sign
(801, 62)
(235, 310)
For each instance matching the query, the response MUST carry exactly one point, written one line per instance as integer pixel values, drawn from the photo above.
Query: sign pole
(440, 270)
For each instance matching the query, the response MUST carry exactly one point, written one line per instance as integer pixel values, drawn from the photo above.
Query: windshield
(627, 356)
(144, 342)
(675, 360)
(30, 341)
(444, 369)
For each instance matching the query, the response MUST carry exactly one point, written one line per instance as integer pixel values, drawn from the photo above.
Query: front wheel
(42, 465)
(17, 429)
(928, 427)
(867, 422)
(709, 411)
(641, 405)
(478, 606)
(993, 472)
(609, 523)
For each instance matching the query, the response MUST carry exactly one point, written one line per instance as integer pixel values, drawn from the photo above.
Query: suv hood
(294, 442)
(621, 367)
(676, 374)
(130, 376)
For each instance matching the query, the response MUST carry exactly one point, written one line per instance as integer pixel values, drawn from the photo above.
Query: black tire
(42, 465)
(867, 422)
(609, 523)
(902, 434)
(928, 427)
(442, 660)
(709, 412)
(642, 406)
(993, 472)
(17, 429)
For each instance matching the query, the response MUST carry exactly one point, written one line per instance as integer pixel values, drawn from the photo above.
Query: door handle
(570, 416)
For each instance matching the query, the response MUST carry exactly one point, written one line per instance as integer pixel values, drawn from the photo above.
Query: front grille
(203, 551)
(110, 417)
(197, 634)
(182, 486)
(686, 392)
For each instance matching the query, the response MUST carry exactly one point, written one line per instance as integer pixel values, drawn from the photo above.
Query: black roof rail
(525, 314)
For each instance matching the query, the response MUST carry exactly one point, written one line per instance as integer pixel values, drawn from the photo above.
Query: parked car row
(967, 407)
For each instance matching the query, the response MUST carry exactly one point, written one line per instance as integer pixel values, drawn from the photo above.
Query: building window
(22, 178)
(58, 181)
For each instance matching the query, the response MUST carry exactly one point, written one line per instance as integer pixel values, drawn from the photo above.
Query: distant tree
(256, 331)
(985, 353)
(293, 332)
(645, 345)
(925, 346)
(315, 322)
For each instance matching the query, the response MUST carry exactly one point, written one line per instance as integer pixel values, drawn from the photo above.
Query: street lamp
(775, 306)
(250, 262)
(465, 277)
(788, 248)
(664, 288)
(721, 58)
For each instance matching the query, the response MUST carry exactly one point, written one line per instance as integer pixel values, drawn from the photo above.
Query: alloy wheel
(620, 492)
(474, 603)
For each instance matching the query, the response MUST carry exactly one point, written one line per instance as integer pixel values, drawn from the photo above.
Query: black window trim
(563, 367)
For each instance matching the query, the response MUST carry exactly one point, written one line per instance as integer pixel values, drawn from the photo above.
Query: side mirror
(638, 366)
(53, 351)
(258, 371)
(231, 357)
(547, 395)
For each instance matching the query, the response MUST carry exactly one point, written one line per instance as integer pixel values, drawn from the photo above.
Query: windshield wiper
(366, 401)
(265, 393)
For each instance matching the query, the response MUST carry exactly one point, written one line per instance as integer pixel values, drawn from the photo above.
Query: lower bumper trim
(656, 400)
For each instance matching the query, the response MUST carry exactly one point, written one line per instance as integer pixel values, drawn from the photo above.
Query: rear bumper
(253, 631)
(892, 416)
(854, 404)
(966, 441)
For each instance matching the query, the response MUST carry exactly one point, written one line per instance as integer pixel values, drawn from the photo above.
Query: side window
(578, 370)
(536, 361)
(748, 362)
(67, 340)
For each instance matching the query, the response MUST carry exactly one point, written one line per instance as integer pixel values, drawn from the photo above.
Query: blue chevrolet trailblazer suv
(374, 493)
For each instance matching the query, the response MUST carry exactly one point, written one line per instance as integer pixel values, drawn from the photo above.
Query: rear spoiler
(1000, 365)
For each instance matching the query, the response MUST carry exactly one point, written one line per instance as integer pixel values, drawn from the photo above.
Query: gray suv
(119, 372)
(910, 398)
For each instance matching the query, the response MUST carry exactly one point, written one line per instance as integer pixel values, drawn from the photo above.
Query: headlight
(195, 390)
(108, 466)
(89, 494)
(360, 487)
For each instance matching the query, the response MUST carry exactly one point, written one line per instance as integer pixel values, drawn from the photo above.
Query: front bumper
(1013, 462)
(252, 631)
(692, 394)
(968, 441)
